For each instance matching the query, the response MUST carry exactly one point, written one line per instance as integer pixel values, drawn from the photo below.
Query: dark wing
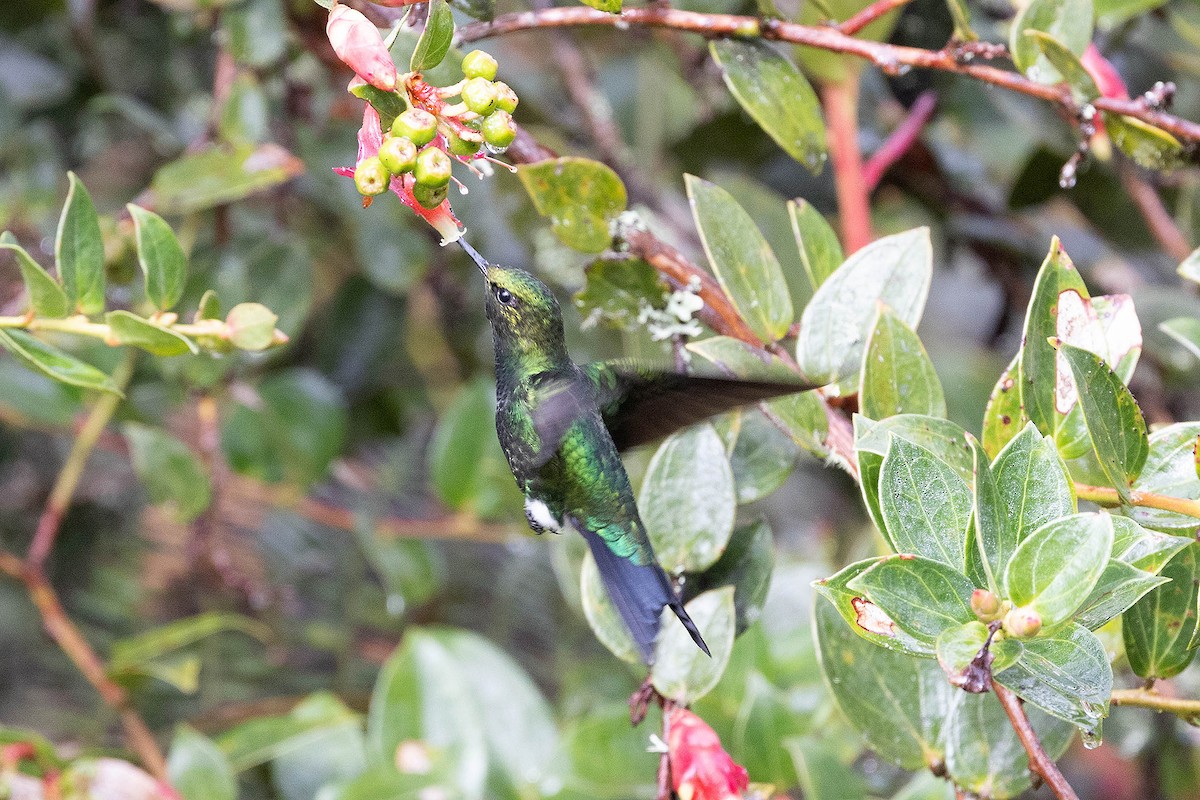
(640, 404)
(556, 401)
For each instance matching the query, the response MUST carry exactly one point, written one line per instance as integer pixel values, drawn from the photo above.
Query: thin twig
(901, 139)
(1158, 219)
(1107, 496)
(869, 14)
(889, 57)
(1145, 698)
(840, 101)
(1039, 761)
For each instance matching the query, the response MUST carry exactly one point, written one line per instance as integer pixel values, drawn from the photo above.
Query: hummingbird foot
(639, 701)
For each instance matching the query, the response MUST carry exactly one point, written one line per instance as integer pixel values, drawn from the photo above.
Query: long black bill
(479, 260)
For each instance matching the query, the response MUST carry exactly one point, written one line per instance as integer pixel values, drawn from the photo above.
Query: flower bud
(479, 95)
(416, 124)
(506, 98)
(1107, 79)
(398, 154)
(985, 605)
(430, 196)
(478, 64)
(432, 168)
(498, 129)
(1022, 622)
(358, 45)
(700, 767)
(371, 177)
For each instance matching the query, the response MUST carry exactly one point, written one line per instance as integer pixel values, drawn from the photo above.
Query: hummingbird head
(524, 313)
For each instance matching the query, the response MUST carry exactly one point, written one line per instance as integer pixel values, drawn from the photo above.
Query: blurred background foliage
(358, 494)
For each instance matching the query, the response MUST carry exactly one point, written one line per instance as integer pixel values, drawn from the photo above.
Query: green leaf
(617, 290)
(925, 505)
(1066, 674)
(1112, 416)
(833, 328)
(1190, 267)
(464, 454)
(581, 197)
(197, 769)
(1150, 147)
(958, 648)
(1170, 469)
(762, 458)
(1142, 548)
(163, 262)
(79, 250)
(864, 617)
(251, 326)
(138, 652)
(962, 21)
(688, 500)
(897, 375)
(895, 701)
(737, 359)
(1159, 628)
(746, 565)
(983, 755)
(602, 615)
(822, 774)
(436, 776)
(682, 671)
(435, 39)
(1067, 65)
(1004, 415)
(411, 570)
(216, 176)
(993, 538)
(774, 92)
(257, 31)
(741, 259)
(209, 306)
(803, 417)
(54, 363)
(608, 759)
(1120, 586)
(610, 6)
(1055, 569)
(46, 297)
(476, 9)
(1032, 482)
(820, 250)
(130, 329)
(388, 105)
(1185, 330)
(1068, 21)
(169, 470)
(924, 597)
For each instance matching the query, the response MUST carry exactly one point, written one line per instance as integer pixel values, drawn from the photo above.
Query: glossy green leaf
(1148, 146)
(167, 639)
(746, 565)
(822, 774)
(1120, 586)
(169, 470)
(993, 538)
(1068, 66)
(318, 742)
(1160, 626)
(46, 297)
(959, 647)
(820, 251)
(925, 505)
(54, 363)
(1185, 330)
(1066, 674)
(1004, 416)
(863, 616)
(209, 306)
(737, 359)
(435, 38)
(608, 756)
(213, 177)
(1143, 548)
(1032, 483)
(983, 754)
(384, 782)
(79, 250)
(197, 769)
(741, 259)
(617, 290)
(833, 328)
(762, 457)
(682, 671)
(581, 197)
(804, 417)
(897, 375)
(688, 500)
(1056, 567)
(924, 597)
(465, 452)
(774, 92)
(34, 400)
(610, 6)
(1068, 21)
(164, 265)
(1114, 421)
(1170, 469)
(130, 329)
(765, 721)
(895, 701)
(602, 615)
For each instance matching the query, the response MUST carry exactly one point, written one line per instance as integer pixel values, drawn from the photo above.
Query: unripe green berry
(417, 124)
(430, 196)
(432, 168)
(479, 95)
(461, 146)
(478, 64)
(398, 154)
(371, 177)
(506, 98)
(498, 129)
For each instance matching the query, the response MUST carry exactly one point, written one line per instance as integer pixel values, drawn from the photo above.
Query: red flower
(700, 767)
(357, 43)
(370, 137)
(1107, 79)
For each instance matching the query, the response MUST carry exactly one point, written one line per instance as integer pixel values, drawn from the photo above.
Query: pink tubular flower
(1107, 79)
(370, 137)
(700, 767)
(357, 43)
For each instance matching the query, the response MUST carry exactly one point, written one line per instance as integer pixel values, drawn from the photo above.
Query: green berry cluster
(482, 119)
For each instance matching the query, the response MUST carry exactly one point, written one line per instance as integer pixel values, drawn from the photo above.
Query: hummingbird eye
(505, 296)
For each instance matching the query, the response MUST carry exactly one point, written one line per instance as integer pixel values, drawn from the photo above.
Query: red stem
(1039, 761)
(869, 14)
(840, 101)
(901, 139)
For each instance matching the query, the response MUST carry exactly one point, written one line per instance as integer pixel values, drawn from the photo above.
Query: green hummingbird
(562, 426)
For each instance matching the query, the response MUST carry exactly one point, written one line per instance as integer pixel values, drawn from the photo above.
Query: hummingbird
(563, 425)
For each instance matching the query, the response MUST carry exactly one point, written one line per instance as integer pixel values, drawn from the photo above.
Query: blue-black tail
(639, 591)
